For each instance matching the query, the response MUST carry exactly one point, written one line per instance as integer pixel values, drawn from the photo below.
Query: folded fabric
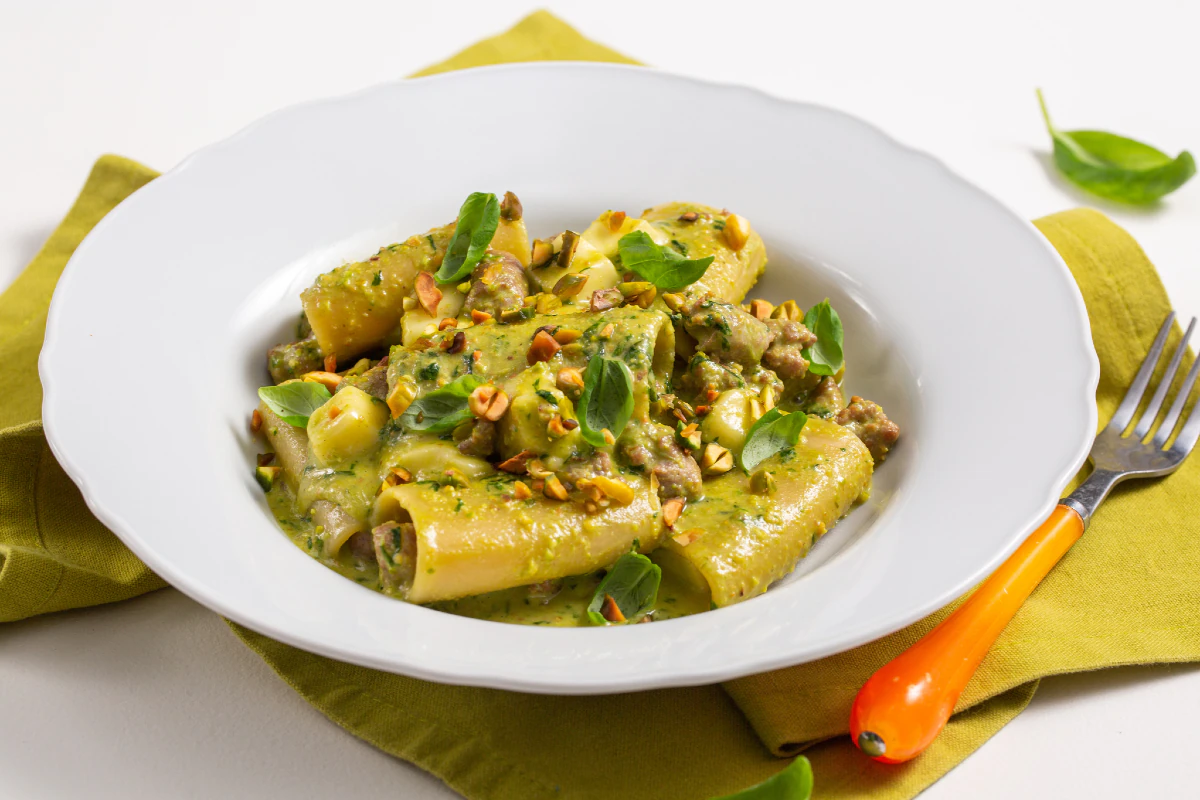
(1128, 593)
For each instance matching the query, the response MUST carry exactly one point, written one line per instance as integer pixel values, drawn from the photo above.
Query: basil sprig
(1116, 167)
(294, 402)
(662, 266)
(772, 432)
(793, 782)
(606, 401)
(632, 583)
(477, 221)
(825, 357)
(442, 409)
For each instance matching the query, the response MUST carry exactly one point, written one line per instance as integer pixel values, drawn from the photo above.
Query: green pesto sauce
(566, 609)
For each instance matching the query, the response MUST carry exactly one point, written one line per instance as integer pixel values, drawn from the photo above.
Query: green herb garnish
(793, 782)
(378, 279)
(773, 432)
(825, 357)
(606, 401)
(1116, 167)
(665, 268)
(477, 221)
(294, 402)
(632, 583)
(442, 409)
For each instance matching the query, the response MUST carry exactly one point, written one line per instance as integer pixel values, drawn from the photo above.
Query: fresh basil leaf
(793, 782)
(1117, 167)
(632, 583)
(606, 401)
(477, 221)
(442, 409)
(772, 432)
(825, 357)
(294, 402)
(665, 268)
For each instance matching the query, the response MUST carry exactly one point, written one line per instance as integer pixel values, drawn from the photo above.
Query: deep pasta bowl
(960, 319)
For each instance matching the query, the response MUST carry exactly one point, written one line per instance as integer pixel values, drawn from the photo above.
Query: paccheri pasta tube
(479, 538)
(742, 537)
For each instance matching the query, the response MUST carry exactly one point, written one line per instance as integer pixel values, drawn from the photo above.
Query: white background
(155, 696)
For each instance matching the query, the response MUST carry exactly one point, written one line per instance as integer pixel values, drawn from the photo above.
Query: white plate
(960, 319)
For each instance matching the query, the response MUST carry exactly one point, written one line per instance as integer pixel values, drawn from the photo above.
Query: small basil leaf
(825, 357)
(632, 583)
(294, 402)
(1117, 167)
(774, 431)
(442, 409)
(606, 401)
(793, 782)
(665, 268)
(477, 221)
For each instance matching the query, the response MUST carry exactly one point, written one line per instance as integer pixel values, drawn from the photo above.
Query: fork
(901, 709)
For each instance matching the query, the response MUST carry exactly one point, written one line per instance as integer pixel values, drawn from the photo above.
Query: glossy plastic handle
(901, 709)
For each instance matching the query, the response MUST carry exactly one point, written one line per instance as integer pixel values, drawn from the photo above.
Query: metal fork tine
(1187, 437)
(1192, 428)
(1151, 412)
(1133, 397)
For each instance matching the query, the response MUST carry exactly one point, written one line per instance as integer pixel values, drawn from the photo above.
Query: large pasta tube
(733, 271)
(290, 444)
(739, 542)
(479, 539)
(645, 341)
(358, 306)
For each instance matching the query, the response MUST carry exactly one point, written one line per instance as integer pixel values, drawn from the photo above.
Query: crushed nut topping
(737, 231)
(569, 378)
(569, 285)
(402, 395)
(521, 490)
(671, 511)
(761, 309)
(554, 488)
(428, 294)
(689, 216)
(542, 252)
(543, 348)
(510, 207)
(615, 220)
(688, 536)
(256, 420)
(488, 402)
(479, 317)
(517, 464)
(329, 380)
(456, 343)
(447, 322)
(716, 460)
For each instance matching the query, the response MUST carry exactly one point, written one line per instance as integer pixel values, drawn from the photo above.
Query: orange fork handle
(901, 709)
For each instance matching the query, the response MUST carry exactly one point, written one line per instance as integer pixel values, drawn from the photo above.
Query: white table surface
(155, 696)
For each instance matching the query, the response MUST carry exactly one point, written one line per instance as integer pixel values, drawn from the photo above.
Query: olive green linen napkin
(1128, 593)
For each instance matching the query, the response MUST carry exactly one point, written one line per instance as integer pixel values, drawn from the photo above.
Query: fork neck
(1087, 498)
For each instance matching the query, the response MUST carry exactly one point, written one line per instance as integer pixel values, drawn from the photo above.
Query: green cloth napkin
(1128, 593)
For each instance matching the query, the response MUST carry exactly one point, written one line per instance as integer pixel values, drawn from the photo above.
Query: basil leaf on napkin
(294, 402)
(825, 357)
(442, 409)
(477, 221)
(793, 782)
(632, 583)
(1117, 167)
(606, 401)
(662, 266)
(772, 432)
